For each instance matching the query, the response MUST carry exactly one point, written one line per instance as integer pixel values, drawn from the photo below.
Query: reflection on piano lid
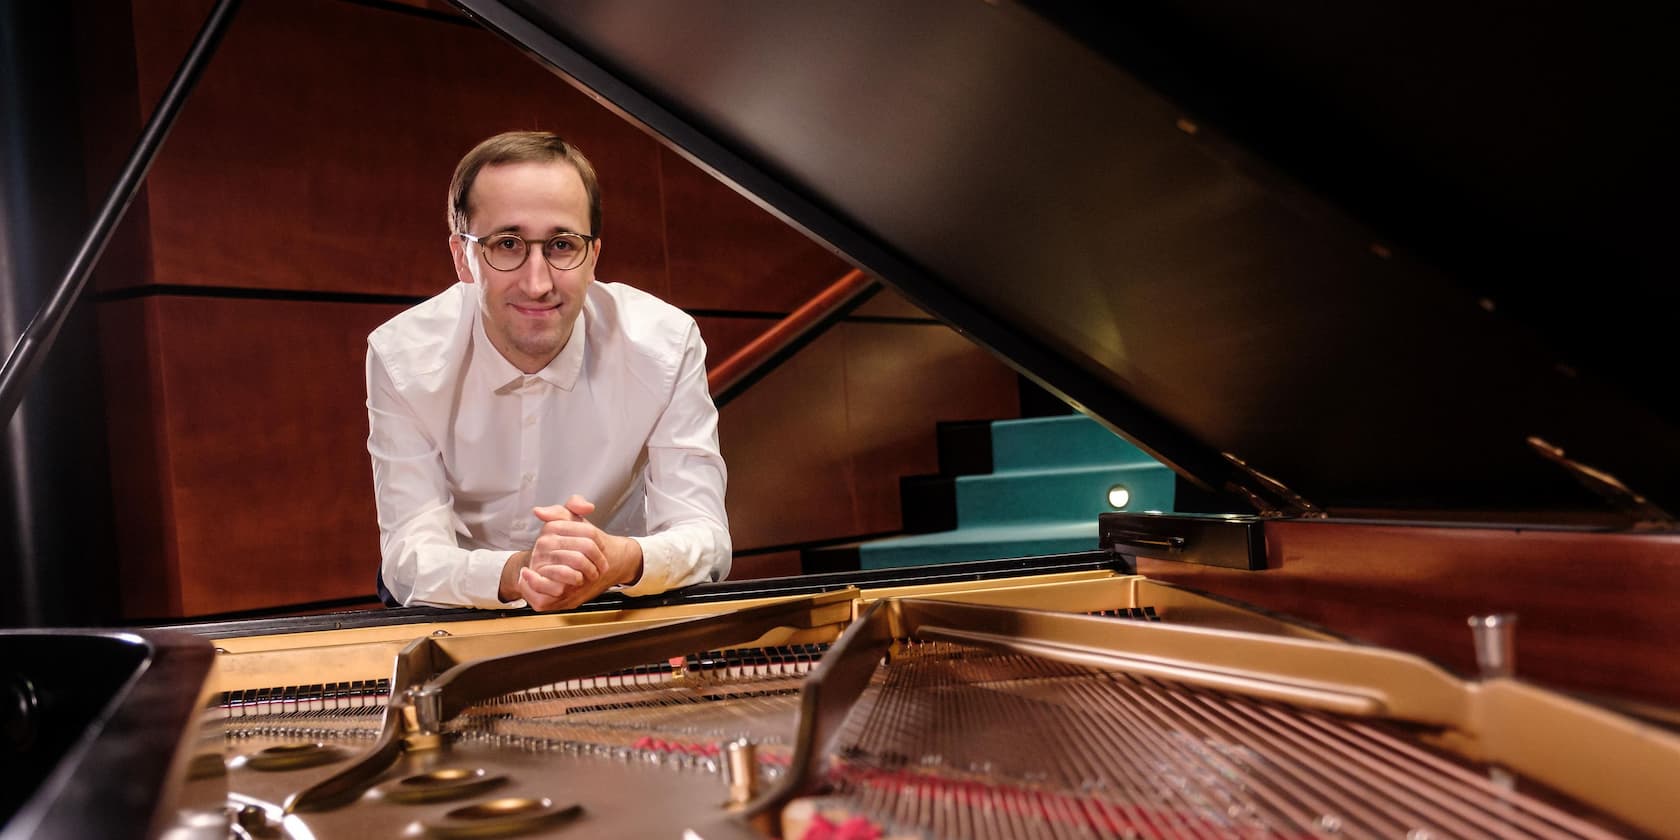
(1367, 254)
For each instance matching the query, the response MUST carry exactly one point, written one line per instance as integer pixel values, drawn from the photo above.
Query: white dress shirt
(464, 444)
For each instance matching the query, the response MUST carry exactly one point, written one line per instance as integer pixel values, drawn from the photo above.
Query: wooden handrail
(730, 377)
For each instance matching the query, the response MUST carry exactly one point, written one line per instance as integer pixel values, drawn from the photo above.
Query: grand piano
(1376, 286)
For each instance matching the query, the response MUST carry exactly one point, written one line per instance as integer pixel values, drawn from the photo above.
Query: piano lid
(1368, 251)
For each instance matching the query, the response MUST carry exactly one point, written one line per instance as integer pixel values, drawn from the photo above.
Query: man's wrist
(508, 591)
(631, 563)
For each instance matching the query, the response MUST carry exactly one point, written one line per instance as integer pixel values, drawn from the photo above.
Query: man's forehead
(528, 195)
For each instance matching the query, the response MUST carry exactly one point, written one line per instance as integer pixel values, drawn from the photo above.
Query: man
(538, 437)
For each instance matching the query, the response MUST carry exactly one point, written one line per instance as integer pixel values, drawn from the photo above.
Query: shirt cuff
(656, 569)
(484, 580)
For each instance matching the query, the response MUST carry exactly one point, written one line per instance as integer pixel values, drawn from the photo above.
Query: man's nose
(536, 278)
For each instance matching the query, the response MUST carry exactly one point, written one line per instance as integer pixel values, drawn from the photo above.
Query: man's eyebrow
(516, 228)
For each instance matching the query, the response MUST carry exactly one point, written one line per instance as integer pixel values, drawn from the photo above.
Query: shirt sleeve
(688, 528)
(421, 560)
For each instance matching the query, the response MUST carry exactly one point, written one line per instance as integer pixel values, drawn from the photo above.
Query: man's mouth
(534, 310)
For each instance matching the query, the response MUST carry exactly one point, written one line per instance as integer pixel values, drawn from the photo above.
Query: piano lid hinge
(1266, 509)
(1289, 503)
(1646, 515)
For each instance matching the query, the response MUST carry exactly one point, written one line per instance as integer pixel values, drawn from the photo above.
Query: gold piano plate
(1017, 707)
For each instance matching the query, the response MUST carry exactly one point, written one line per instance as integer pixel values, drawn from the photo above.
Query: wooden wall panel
(890, 304)
(263, 409)
(725, 335)
(815, 450)
(901, 380)
(317, 150)
(774, 564)
(141, 487)
(726, 253)
(788, 449)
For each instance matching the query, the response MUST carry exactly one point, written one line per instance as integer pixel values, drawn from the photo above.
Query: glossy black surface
(699, 594)
(93, 730)
(1370, 253)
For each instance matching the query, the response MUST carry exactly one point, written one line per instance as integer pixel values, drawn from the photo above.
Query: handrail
(730, 377)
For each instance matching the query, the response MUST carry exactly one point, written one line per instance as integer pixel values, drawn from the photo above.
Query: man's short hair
(519, 147)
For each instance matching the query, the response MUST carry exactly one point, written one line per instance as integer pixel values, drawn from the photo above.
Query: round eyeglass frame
(480, 241)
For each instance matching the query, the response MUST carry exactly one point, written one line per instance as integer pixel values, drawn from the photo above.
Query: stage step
(1011, 488)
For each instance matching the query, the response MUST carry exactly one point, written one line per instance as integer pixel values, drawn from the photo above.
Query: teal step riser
(1080, 496)
(1072, 441)
(1049, 483)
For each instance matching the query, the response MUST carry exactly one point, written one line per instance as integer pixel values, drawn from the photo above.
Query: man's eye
(507, 243)
(561, 246)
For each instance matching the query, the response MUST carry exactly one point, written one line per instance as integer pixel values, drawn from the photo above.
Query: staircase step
(1059, 495)
(1010, 488)
(927, 503)
(1068, 441)
(965, 447)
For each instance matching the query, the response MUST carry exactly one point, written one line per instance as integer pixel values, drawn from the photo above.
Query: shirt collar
(562, 371)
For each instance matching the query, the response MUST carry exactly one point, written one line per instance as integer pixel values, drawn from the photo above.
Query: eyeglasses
(507, 251)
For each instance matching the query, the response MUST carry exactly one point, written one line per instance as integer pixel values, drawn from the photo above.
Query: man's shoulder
(423, 338)
(641, 320)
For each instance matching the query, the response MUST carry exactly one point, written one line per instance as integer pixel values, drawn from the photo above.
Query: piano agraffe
(1311, 263)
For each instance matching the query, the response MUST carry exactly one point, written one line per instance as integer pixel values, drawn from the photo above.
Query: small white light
(1119, 497)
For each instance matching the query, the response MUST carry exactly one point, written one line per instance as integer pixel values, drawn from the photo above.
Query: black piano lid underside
(1369, 250)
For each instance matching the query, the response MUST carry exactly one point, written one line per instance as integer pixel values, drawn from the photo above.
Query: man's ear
(458, 250)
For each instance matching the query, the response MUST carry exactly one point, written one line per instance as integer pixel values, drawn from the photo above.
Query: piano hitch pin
(1494, 637)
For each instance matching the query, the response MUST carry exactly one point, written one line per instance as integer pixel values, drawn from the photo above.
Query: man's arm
(421, 561)
(688, 528)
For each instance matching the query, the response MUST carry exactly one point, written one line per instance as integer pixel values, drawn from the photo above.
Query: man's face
(529, 312)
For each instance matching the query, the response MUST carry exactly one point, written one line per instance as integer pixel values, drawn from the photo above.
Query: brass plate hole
(443, 776)
(294, 756)
(498, 808)
(502, 817)
(441, 784)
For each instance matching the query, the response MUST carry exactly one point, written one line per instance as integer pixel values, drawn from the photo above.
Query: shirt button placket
(530, 444)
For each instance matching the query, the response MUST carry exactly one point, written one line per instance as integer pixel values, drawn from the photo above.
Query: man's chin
(543, 345)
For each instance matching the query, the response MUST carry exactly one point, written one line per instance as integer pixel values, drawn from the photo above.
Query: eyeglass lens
(506, 252)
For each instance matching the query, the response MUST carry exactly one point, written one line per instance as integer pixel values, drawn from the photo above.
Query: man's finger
(563, 574)
(543, 601)
(569, 528)
(584, 562)
(536, 586)
(554, 513)
(580, 506)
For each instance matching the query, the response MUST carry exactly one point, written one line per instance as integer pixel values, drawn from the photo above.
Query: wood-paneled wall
(300, 202)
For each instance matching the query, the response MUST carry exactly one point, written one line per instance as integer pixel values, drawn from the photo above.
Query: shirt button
(529, 477)
(531, 421)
